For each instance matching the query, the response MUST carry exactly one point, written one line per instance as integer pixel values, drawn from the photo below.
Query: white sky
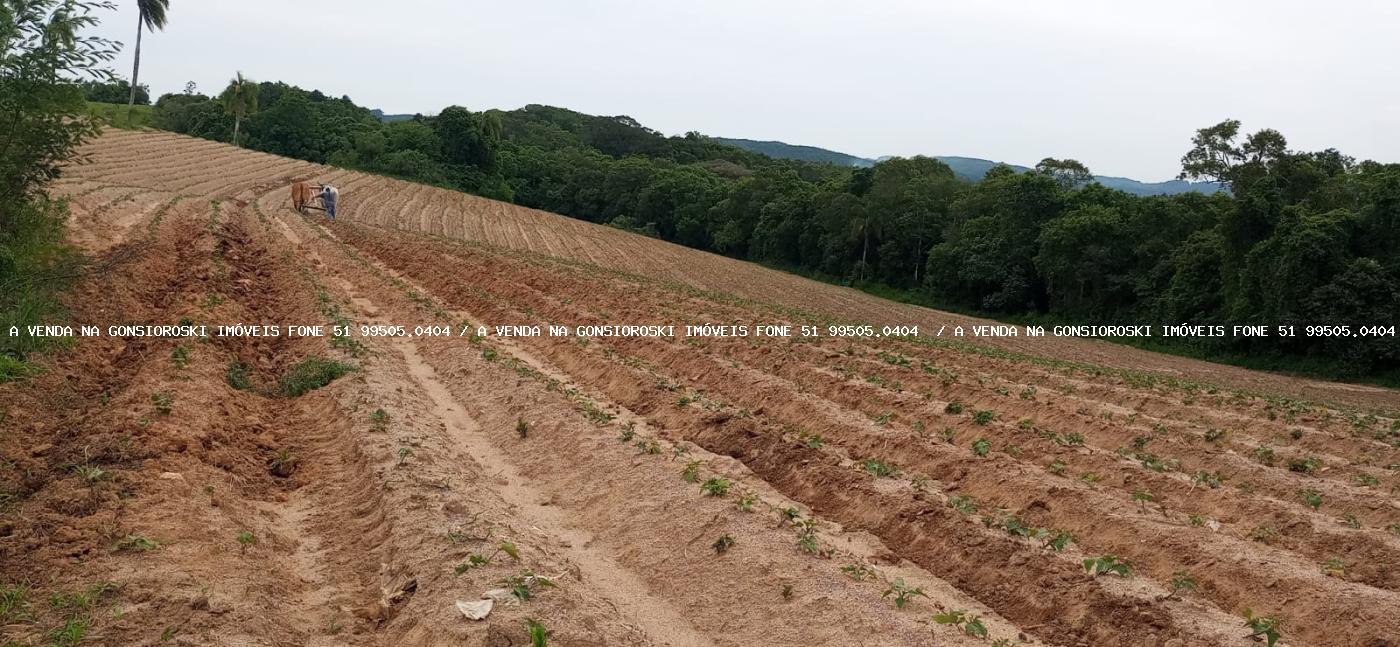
(1117, 84)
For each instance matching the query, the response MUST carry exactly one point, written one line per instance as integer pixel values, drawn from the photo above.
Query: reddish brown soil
(358, 538)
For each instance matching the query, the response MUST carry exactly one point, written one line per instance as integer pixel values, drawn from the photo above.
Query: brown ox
(303, 193)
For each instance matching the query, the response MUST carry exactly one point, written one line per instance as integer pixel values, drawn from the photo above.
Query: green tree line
(1300, 238)
(46, 64)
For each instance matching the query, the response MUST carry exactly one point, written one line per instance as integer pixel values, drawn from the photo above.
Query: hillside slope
(672, 490)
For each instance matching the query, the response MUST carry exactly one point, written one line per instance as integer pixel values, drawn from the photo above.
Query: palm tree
(240, 99)
(151, 17)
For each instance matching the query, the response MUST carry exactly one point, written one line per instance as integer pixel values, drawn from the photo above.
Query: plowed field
(675, 491)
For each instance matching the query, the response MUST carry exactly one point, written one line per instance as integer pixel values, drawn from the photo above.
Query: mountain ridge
(971, 169)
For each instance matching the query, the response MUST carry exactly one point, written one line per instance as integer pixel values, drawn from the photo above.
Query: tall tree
(150, 17)
(240, 99)
(1068, 173)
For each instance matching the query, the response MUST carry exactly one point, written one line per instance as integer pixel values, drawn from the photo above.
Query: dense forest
(1299, 238)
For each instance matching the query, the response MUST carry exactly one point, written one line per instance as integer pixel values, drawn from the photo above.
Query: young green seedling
(1096, 566)
(539, 635)
(715, 487)
(878, 467)
(1266, 627)
(246, 540)
(691, 473)
(903, 594)
(970, 624)
(1181, 581)
(723, 544)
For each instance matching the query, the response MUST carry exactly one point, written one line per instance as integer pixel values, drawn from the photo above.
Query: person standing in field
(329, 196)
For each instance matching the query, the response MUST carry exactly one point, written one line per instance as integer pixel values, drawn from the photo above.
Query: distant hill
(971, 169)
(781, 150)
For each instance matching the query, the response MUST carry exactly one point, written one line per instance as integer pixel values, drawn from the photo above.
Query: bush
(311, 374)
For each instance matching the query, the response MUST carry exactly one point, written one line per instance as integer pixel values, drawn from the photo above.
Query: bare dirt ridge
(721, 491)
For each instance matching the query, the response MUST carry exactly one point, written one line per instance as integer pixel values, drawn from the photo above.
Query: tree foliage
(46, 56)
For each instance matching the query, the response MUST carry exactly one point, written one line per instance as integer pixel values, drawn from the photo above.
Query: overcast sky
(1119, 85)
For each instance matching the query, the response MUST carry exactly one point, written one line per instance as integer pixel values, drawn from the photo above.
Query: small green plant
(135, 543)
(1334, 566)
(1308, 465)
(984, 417)
(715, 486)
(1266, 627)
(627, 435)
(947, 435)
(379, 420)
(691, 473)
(180, 356)
(1181, 581)
(963, 503)
(1196, 520)
(1212, 480)
(90, 473)
(1366, 480)
(310, 374)
(883, 418)
(1071, 439)
(1217, 436)
(473, 560)
(789, 514)
(1350, 521)
(807, 536)
(523, 585)
(539, 635)
(404, 453)
(970, 624)
(1057, 467)
(283, 463)
(1096, 566)
(1264, 534)
(879, 468)
(1143, 497)
(683, 401)
(164, 402)
(522, 428)
(723, 544)
(903, 594)
(1311, 497)
(648, 446)
(953, 408)
(810, 441)
(858, 572)
(1264, 454)
(981, 447)
(745, 502)
(246, 540)
(787, 591)
(237, 374)
(1058, 540)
